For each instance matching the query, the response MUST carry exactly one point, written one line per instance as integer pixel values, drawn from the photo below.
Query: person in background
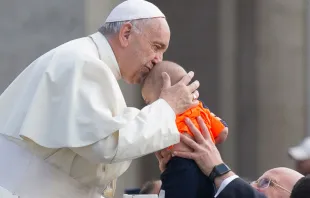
(277, 182)
(301, 155)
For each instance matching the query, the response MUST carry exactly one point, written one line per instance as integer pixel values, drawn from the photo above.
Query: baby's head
(153, 83)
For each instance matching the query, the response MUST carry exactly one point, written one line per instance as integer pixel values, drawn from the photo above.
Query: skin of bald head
(153, 83)
(282, 176)
(137, 45)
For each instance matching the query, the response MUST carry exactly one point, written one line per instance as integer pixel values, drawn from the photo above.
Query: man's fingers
(189, 142)
(166, 80)
(197, 134)
(194, 104)
(195, 95)
(163, 160)
(158, 156)
(166, 160)
(204, 130)
(164, 153)
(187, 78)
(184, 154)
(193, 86)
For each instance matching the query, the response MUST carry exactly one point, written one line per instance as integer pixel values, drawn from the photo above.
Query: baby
(182, 177)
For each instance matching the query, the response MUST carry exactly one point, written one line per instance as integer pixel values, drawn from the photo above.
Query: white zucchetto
(134, 9)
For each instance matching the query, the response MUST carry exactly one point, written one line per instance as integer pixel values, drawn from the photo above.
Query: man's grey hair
(112, 28)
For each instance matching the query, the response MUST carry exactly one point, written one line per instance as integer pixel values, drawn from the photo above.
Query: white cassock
(65, 129)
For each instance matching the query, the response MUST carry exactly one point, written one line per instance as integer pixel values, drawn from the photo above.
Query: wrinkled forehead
(273, 175)
(157, 29)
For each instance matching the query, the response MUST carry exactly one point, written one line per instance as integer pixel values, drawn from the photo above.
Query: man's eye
(156, 47)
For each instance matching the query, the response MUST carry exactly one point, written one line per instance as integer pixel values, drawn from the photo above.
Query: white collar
(106, 53)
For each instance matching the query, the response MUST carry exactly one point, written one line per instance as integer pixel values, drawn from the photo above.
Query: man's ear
(124, 34)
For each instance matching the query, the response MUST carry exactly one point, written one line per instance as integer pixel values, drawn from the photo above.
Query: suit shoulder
(239, 188)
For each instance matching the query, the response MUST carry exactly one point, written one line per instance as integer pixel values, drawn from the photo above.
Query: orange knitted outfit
(215, 124)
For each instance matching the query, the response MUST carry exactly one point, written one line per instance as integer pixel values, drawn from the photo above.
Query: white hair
(112, 28)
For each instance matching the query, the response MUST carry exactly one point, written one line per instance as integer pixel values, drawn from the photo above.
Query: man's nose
(158, 58)
(254, 185)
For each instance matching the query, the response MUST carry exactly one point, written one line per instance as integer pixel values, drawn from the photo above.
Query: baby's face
(150, 93)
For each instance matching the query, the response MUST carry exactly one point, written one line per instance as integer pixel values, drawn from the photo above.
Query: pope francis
(65, 129)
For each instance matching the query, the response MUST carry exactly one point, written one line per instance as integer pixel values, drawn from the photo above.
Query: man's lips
(148, 68)
(144, 73)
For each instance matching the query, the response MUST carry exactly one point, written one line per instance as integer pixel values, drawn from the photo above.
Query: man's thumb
(166, 80)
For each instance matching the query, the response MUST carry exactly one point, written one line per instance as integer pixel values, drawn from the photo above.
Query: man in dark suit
(301, 188)
(277, 182)
(273, 183)
(238, 188)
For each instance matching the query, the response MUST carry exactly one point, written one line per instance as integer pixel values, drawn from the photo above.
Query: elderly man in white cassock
(65, 129)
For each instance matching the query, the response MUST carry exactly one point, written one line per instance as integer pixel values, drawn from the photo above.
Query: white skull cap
(134, 9)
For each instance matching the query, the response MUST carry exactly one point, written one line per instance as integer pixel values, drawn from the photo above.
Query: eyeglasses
(266, 182)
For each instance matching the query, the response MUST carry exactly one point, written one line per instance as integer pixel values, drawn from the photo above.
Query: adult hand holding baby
(165, 155)
(180, 96)
(201, 149)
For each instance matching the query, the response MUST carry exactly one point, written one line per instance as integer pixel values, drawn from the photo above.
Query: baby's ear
(166, 80)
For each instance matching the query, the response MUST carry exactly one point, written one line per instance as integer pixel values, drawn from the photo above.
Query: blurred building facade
(249, 55)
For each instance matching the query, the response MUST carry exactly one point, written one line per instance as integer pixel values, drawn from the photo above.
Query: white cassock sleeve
(141, 136)
(80, 105)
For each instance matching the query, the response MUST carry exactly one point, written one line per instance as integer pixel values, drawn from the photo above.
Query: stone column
(246, 93)
(281, 79)
(227, 76)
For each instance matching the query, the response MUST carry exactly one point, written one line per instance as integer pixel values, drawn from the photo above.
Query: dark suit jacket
(184, 179)
(239, 189)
